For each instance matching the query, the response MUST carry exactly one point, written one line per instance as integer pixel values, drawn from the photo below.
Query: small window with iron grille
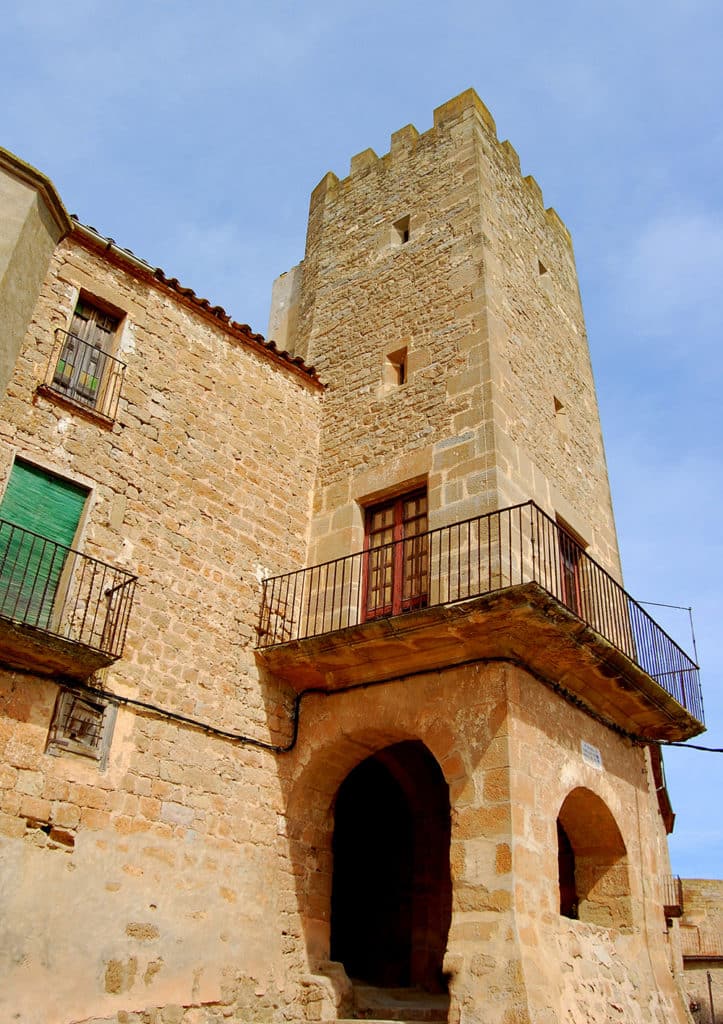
(81, 725)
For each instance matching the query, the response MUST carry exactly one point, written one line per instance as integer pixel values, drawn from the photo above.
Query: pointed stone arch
(392, 890)
(402, 765)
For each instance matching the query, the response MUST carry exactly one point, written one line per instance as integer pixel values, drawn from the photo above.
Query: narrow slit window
(401, 230)
(396, 369)
(561, 421)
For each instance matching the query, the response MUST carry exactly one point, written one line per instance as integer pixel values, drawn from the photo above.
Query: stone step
(399, 1004)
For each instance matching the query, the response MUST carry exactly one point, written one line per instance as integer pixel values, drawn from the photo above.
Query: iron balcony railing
(85, 374)
(491, 552)
(62, 591)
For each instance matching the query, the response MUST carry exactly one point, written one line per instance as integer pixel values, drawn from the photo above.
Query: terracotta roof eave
(242, 332)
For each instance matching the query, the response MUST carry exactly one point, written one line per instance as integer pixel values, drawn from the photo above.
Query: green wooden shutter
(30, 565)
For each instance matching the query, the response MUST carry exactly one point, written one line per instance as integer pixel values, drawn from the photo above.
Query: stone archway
(391, 890)
(593, 862)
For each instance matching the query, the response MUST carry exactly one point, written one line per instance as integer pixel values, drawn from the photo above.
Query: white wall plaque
(591, 755)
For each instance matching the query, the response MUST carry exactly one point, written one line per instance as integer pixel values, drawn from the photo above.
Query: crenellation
(404, 140)
(534, 191)
(512, 156)
(362, 162)
(557, 224)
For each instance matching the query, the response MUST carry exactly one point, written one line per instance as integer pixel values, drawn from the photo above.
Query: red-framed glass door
(570, 557)
(396, 556)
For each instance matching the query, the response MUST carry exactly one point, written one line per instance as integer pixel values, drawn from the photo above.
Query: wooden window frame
(84, 371)
(571, 551)
(97, 343)
(35, 567)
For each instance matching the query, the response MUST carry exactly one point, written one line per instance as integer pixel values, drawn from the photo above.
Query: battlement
(467, 106)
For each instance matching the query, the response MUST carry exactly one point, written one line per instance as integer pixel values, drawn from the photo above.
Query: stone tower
(464, 607)
(440, 261)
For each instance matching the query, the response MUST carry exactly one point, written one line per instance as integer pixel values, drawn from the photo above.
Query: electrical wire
(275, 748)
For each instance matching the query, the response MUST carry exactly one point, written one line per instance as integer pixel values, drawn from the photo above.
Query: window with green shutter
(39, 517)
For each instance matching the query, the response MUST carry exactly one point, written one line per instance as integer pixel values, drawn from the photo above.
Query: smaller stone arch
(593, 868)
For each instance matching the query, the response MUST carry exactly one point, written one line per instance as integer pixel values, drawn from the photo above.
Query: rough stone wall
(366, 294)
(701, 936)
(154, 879)
(492, 343)
(547, 425)
(510, 955)
(190, 881)
(460, 715)
(588, 972)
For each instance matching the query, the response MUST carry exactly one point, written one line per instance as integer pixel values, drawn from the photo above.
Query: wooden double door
(39, 517)
(396, 559)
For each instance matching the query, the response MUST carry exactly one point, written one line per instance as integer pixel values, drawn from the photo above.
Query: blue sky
(193, 134)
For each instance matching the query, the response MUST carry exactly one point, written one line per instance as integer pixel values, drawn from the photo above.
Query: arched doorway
(391, 890)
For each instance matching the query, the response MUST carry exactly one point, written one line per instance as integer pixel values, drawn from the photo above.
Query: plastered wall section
(152, 881)
(28, 236)
(491, 342)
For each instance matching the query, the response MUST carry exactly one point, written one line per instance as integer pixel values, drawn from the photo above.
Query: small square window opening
(81, 725)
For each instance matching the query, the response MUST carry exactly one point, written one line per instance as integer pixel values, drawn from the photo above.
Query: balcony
(672, 888)
(61, 612)
(84, 375)
(509, 584)
(701, 944)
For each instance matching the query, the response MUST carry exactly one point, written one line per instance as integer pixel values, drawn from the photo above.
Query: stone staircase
(407, 1005)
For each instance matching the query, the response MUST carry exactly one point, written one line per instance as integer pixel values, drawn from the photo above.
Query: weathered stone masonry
(273, 823)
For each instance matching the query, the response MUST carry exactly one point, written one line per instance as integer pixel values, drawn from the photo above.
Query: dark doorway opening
(566, 873)
(392, 892)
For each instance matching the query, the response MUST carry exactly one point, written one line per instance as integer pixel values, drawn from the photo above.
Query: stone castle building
(320, 695)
